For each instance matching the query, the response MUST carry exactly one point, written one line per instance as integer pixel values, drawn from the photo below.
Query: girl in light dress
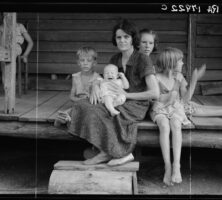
(148, 44)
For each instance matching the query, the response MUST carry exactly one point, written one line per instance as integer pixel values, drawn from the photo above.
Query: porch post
(9, 72)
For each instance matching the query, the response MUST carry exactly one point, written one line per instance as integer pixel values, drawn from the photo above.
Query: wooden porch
(35, 113)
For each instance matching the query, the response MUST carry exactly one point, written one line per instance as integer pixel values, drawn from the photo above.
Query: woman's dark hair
(129, 28)
(153, 33)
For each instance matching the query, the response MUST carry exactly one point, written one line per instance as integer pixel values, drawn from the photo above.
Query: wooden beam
(191, 137)
(191, 45)
(9, 76)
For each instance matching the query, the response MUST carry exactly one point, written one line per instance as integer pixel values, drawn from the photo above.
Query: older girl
(116, 136)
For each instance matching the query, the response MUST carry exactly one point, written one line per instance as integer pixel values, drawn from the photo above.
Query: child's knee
(163, 123)
(175, 124)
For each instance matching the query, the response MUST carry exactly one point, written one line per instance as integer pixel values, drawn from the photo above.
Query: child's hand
(201, 71)
(121, 74)
(24, 58)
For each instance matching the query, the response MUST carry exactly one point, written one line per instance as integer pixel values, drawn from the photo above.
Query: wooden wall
(57, 36)
(208, 46)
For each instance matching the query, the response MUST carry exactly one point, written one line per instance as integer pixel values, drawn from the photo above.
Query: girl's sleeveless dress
(175, 110)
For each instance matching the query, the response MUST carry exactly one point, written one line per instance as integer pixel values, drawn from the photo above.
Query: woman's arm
(152, 92)
(28, 39)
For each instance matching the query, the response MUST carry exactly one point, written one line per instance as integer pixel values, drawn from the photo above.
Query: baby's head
(110, 72)
(86, 58)
(169, 59)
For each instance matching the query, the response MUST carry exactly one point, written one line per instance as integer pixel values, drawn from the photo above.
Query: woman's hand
(95, 96)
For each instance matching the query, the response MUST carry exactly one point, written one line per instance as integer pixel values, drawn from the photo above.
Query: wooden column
(9, 76)
(191, 45)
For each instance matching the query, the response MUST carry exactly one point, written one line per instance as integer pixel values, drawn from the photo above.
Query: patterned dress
(116, 135)
(174, 110)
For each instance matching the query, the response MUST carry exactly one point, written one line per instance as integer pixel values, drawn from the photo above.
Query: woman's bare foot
(99, 158)
(176, 175)
(167, 175)
(120, 161)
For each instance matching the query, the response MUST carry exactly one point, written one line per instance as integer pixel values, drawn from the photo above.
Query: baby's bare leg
(108, 100)
(120, 100)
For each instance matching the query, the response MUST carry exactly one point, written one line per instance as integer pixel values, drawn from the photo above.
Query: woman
(116, 136)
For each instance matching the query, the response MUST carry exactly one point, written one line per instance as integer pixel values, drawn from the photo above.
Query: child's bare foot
(167, 175)
(176, 175)
(114, 112)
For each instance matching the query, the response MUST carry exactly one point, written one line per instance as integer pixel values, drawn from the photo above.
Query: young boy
(81, 81)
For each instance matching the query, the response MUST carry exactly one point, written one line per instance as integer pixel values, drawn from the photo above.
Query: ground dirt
(26, 165)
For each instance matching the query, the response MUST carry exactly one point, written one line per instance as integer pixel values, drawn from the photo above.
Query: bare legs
(164, 124)
(164, 128)
(108, 100)
(177, 145)
(206, 111)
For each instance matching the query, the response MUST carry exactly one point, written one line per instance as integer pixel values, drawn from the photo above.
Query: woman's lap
(114, 135)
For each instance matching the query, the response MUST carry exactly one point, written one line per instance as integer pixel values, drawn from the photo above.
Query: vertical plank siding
(208, 48)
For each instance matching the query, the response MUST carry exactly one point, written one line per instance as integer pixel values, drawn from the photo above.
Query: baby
(109, 98)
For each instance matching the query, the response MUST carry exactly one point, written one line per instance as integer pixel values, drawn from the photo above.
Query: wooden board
(59, 68)
(211, 88)
(66, 106)
(208, 41)
(209, 29)
(209, 18)
(56, 46)
(48, 84)
(212, 75)
(43, 111)
(28, 102)
(212, 63)
(214, 123)
(209, 53)
(90, 182)
(210, 100)
(89, 15)
(79, 166)
(105, 24)
(71, 36)
(196, 138)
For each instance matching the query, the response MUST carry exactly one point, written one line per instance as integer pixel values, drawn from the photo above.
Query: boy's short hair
(168, 58)
(153, 33)
(87, 51)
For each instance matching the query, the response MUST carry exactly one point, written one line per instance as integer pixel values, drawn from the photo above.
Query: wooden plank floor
(42, 106)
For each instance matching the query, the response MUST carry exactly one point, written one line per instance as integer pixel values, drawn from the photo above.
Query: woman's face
(123, 40)
(146, 43)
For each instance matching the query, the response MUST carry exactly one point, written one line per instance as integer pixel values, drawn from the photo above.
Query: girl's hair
(153, 33)
(167, 59)
(87, 51)
(129, 28)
